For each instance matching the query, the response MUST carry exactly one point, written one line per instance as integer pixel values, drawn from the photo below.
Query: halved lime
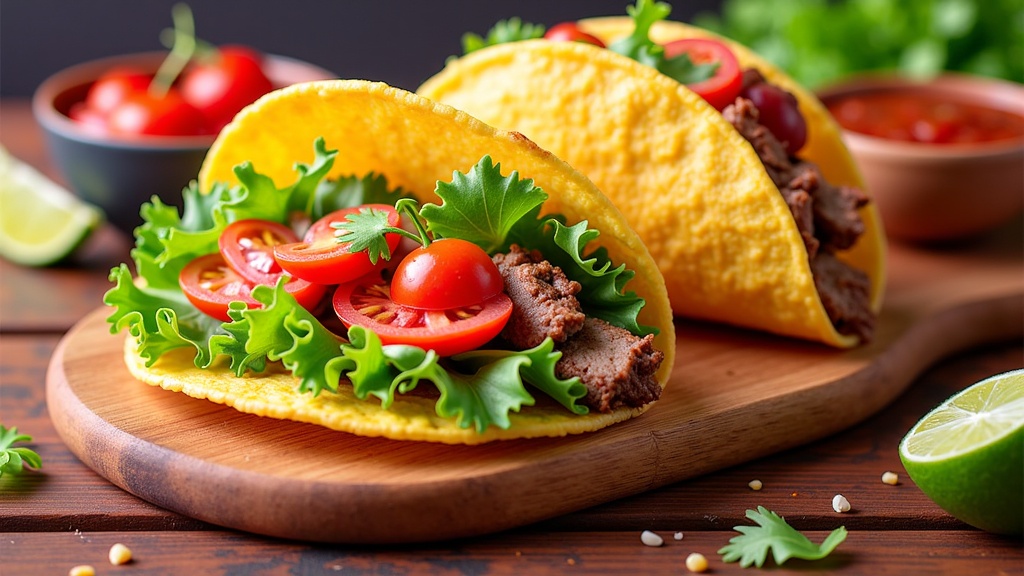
(967, 455)
(40, 222)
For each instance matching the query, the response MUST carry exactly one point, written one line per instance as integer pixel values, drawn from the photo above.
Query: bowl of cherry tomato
(943, 158)
(118, 142)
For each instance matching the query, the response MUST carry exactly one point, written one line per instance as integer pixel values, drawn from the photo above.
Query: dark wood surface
(65, 514)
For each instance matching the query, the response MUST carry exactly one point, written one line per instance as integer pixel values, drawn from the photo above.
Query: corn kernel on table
(65, 515)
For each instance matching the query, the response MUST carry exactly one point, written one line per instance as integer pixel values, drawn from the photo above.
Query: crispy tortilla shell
(689, 184)
(414, 143)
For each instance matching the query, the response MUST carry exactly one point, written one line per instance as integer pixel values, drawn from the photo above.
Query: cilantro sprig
(510, 30)
(772, 533)
(641, 48)
(13, 459)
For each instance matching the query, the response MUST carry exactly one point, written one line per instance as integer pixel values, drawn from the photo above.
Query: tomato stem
(411, 208)
(183, 48)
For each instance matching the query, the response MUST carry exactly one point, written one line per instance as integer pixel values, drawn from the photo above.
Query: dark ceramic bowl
(940, 192)
(120, 173)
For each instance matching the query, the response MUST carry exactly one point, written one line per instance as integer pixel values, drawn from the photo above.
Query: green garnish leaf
(641, 48)
(12, 460)
(352, 191)
(511, 30)
(773, 533)
(482, 206)
(365, 230)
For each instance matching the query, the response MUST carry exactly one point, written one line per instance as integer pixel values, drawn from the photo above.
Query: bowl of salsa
(943, 158)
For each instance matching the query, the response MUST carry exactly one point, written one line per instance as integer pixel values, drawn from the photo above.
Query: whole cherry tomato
(114, 87)
(570, 32)
(221, 87)
(90, 120)
(366, 302)
(447, 273)
(322, 259)
(725, 84)
(170, 115)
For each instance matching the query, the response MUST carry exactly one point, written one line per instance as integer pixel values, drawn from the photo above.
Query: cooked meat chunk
(826, 216)
(846, 294)
(616, 366)
(543, 299)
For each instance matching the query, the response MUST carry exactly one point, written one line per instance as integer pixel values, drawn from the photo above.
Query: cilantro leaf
(365, 230)
(641, 48)
(482, 206)
(773, 533)
(12, 460)
(511, 30)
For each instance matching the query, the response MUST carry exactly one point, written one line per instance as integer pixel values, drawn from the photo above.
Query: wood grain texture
(735, 396)
(934, 552)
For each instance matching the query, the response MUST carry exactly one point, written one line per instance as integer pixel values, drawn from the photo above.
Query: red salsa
(917, 116)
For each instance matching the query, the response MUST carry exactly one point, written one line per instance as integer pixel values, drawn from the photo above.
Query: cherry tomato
(721, 89)
(90, 120)
(570, 32)
(367, 303)
(143, 113)
(210, 285)
(779, 113)
(226, 84)
(248, 247)
(114, 87)
(321, 259)
(448, 273)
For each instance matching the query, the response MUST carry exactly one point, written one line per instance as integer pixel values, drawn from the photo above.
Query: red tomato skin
(90, 120)
(227, 286)
(570, 32)
(144, 114)
(114, 86)
(221, 88)
(248, 248)
(721, 89)
(407, 324)
(448, 273)
(321, 260)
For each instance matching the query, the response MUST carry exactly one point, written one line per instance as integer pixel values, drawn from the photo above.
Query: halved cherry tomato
(570, 32)
(721, 89)
(248, 247)
(169, 115)
(225, 84)
(367, 302)
(321, 259)
(448, 273)
(210, 285)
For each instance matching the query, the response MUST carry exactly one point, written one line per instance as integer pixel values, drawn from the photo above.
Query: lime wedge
(967, 454)
(40, 222)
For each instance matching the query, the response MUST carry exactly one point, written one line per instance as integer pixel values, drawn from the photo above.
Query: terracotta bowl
(940, 192)
(120, 173)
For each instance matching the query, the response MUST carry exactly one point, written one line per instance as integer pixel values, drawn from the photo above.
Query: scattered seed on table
(840, 503)
(651, 539)
(890, 478)
(83, 570)
(120, 554)
(678, 536)
(755, 484)
(696, 562)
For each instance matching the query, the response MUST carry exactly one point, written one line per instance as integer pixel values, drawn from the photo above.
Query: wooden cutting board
(734, 396)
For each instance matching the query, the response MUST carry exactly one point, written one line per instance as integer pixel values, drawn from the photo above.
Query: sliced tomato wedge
(367, 302)
(248, 248)
(721, 89)
(321, 259)
(210, 285)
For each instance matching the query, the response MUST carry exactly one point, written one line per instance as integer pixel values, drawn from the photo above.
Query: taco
(749, 226)
(531, 308)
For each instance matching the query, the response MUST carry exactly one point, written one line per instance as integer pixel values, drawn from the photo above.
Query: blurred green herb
(819, 41)
(12, 459)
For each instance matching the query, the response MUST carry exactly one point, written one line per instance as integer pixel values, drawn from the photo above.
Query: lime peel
(41, 223)
(967, 454)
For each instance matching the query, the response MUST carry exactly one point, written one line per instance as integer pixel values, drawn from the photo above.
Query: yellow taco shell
(689, 184)
(414, 143)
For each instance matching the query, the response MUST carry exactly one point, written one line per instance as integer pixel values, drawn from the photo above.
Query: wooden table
(66, 515)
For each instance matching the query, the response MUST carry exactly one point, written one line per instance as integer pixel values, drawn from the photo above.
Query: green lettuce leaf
(352, 191)
(511, 30)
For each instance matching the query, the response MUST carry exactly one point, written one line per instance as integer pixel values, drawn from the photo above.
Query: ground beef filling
(826, 216)
(617, 367)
